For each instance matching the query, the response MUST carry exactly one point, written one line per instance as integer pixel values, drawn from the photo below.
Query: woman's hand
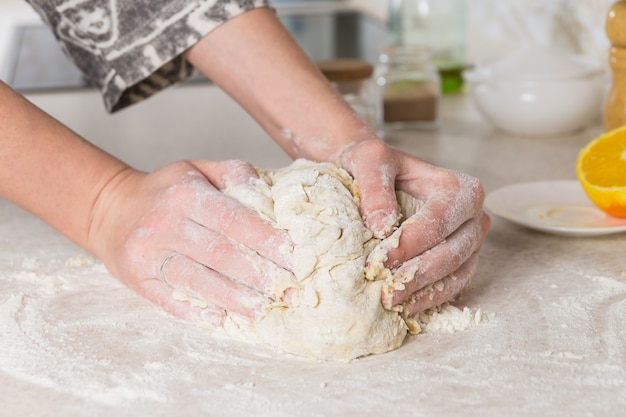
(176, 239)
(437, 253)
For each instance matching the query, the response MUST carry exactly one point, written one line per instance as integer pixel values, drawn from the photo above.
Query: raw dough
(336, 313)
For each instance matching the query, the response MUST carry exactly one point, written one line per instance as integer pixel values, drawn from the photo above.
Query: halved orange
(601, 170)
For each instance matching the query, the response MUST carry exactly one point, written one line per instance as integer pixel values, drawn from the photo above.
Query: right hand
(436, 254)
(222, 257)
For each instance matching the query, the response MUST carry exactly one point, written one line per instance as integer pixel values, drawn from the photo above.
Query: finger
(237, 262)
(242, 224)
(438, 261)
(441, 214)
(375, 173)
(226, 216)
(207, 288)
(226, 174)
(164, 296)
(446, 289)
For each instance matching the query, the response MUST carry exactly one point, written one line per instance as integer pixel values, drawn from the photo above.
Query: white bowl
(538, 92)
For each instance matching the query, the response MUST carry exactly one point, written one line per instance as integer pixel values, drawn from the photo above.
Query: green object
(451, 79)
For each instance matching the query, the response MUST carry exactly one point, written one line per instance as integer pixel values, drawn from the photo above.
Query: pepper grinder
(615, 106)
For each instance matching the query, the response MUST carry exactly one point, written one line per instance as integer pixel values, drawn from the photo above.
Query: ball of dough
(336, 311)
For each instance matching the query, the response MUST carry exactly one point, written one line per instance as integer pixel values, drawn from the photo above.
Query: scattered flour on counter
(78, 261)
(450, 319)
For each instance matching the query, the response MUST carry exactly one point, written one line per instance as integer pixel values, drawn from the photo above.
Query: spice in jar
(409, 88)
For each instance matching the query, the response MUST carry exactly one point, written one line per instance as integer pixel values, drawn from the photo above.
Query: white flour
(76, 341)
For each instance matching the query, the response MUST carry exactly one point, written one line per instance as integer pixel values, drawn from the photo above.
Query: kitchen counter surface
(74, 341)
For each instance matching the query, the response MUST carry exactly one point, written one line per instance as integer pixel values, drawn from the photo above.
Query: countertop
(74, 341)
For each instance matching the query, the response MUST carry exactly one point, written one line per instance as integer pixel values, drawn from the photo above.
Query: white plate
(558, 207)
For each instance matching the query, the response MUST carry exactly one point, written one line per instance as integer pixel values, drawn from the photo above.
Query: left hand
(221, 256)
(437, 254)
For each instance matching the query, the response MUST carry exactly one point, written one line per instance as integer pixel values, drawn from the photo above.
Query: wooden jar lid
(346, 69)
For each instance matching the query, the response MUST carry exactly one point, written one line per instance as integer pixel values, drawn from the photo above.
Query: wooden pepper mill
(615, 106)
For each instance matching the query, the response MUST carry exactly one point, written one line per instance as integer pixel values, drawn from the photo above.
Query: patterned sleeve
(133, 49)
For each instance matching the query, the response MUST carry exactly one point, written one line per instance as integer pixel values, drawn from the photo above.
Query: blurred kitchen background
(346, 28)
(31, 62)
(496, 26)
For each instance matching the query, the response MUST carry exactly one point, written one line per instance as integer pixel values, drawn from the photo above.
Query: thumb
(374, 173)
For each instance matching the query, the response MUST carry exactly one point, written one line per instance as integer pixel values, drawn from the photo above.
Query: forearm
(49, 170)
(255, 60)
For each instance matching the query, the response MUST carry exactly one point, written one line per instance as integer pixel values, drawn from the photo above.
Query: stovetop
(37, 63)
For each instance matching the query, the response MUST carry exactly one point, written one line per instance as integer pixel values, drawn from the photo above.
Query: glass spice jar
(409, 88)
(441, 25)
(352, 78)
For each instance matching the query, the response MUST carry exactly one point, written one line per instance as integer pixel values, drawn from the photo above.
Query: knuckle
(377, 147)
(239, 165)
(471, 183)
(181, 191)
(469, 192)
(238, 172)
(371, 149)
(485, 222)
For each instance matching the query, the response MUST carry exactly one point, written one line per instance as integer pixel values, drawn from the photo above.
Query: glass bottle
(437, 24)
(352, 78)
(409, 88)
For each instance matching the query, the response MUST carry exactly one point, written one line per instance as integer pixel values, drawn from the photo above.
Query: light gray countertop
(76, 342)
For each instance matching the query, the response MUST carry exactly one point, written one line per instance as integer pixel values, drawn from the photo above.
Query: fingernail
(289, 295)
(381, 223)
